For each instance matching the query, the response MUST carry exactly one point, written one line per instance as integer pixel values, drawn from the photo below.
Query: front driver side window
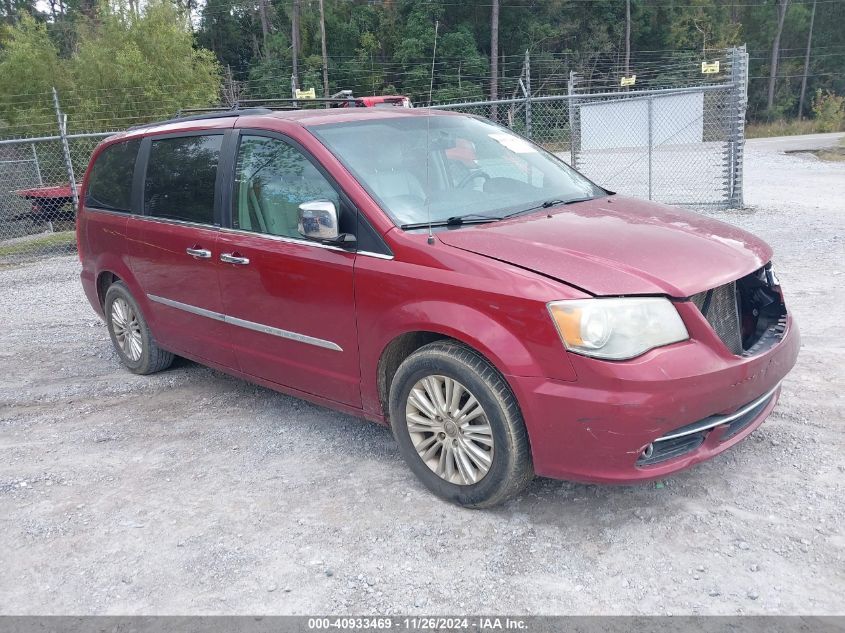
(272, 179)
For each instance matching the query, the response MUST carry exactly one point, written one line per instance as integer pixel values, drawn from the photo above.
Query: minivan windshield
(451, 169)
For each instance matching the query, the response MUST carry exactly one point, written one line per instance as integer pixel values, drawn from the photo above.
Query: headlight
(617, 329)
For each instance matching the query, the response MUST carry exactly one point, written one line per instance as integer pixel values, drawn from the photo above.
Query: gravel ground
(192, 492)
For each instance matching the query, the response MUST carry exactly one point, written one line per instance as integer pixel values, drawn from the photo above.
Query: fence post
(736, 133)
(650, 141)
(570, 91)
(528, 95)
(37, 166)
(62, 121)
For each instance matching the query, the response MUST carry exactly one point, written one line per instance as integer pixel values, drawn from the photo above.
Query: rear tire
(459, 427)
(130, 335)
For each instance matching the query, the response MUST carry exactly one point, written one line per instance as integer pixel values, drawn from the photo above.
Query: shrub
(829, 111)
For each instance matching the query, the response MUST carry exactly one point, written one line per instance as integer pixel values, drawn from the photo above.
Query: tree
(806, 63)
(323, 46)
(227, 28)
(782, 6)
(296, 45)
(627, 38)
(29, 64)
(387, 46)
(10, 12)
(146, 66)
(264, 15)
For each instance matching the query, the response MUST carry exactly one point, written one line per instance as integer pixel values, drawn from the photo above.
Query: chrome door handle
(199, 253)
(230, 258)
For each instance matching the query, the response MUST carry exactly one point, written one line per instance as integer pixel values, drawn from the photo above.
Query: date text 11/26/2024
(420, 623)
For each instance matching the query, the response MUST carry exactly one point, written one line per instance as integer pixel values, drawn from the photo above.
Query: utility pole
(806, 63)
(295, 43)
(627, 38)
(325, 56)
(494, 58)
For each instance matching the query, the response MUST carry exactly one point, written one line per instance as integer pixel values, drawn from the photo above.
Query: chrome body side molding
(249, 325)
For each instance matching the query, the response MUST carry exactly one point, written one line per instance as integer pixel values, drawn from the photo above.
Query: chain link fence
(678, 145)
(38, 186)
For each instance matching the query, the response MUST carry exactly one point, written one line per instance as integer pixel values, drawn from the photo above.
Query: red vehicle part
(378, 101)
(49, 203)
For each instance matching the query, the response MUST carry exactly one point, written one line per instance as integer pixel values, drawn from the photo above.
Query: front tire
(130, 335)
(459, 427)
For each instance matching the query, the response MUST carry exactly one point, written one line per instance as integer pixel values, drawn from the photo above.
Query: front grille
(720, 306)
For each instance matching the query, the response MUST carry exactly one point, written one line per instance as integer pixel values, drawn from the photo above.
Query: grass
(835, 154)
(783, 127)
(51, 242)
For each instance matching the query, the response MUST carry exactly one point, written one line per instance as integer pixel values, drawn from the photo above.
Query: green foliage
(782, 127)
(230, 31)
(113, 65)
(269, 72)
(702, 24)
(829, 110)
(122, 53)
(125, 68)
(29, 68)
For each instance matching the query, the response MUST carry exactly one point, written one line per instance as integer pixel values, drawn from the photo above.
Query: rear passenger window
(110, 182)
(180, 178)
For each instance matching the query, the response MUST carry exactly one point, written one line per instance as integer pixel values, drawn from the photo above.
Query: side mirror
(318, 220)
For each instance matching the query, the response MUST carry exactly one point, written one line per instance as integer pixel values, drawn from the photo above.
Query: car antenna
(427, 169)
(428, 137)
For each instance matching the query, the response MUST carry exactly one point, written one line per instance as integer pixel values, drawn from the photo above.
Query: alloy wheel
(449, 430)
(127, 329)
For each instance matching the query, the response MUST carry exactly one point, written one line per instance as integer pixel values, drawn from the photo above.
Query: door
(288, 301)
(173, 245)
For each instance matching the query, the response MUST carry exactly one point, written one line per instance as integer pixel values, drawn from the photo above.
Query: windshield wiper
(480, 218)
(548, 204)
(455, 220)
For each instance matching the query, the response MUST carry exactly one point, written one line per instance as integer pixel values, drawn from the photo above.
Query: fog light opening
(646, 454)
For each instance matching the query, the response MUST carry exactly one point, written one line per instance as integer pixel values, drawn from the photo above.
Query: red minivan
(438, 273)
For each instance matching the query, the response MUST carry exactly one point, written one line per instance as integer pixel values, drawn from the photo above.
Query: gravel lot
(192, 492)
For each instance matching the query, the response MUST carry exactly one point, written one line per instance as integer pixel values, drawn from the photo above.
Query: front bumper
(597, 428)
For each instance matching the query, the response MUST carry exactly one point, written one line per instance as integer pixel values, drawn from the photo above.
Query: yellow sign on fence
(710, 68)
(306, 94)
(628, 81)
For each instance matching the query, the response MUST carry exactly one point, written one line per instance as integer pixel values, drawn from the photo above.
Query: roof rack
(283, 104)
(209, 113)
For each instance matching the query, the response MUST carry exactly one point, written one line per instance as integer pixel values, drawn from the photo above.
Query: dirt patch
(835, 153)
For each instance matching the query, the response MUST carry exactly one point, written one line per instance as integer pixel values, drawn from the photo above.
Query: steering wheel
(466, 180)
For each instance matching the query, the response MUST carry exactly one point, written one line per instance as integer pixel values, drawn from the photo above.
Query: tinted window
(110, 183)
(180, 178)
(272, 179)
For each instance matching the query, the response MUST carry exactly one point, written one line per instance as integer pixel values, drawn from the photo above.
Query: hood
(619, 246)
